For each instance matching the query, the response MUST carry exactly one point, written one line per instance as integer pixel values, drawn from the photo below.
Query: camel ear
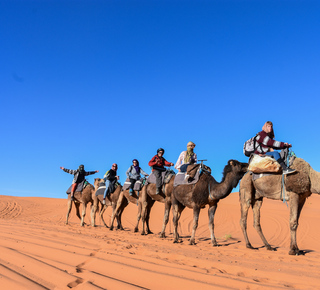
(231, 162)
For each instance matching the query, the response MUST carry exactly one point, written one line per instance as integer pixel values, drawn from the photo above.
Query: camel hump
(193, 168)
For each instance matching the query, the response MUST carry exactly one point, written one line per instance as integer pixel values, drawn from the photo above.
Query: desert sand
(38, 251)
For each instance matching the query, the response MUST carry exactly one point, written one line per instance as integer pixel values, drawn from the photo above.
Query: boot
(285, 168)
(158, 191)
(130, 191)
(72, 196)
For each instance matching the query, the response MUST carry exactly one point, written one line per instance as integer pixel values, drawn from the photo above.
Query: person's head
(81, 167)
(114, 166)
(160, 151)
(135, 162)
(190, 146)
(268, 128)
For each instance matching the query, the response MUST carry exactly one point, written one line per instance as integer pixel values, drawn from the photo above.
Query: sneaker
(130, 191)
(288, 171)
(104, 201)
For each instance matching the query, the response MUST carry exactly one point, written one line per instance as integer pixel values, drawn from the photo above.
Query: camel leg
(116, 211)
(84, 208)
(151, 203)
(124, 203)
(196, 211)
(296, 205)
(103, 209)
(94, 209)
(165, 217)
(211, 212)
(246, 197)
(177, 209)
(256, 222)
(140, 210)
(69, 209)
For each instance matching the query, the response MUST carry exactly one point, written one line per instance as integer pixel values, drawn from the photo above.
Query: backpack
(250, 146)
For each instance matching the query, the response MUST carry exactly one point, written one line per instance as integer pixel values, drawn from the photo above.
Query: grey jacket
(132, 173)
(78, 175)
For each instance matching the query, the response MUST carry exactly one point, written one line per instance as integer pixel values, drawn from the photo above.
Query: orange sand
(38, 251)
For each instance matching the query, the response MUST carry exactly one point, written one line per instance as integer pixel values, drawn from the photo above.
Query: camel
(149, 196)
(298, 186)
(135, 198)
(206, 191)
(110, 200)
(83, 198)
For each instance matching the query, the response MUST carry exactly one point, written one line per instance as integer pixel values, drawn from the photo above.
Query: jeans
(275, 154)
(107, 187)
(183, 167)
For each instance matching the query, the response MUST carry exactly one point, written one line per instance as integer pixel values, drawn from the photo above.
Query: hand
(61, 167)
(171, 164)
(96, 171)
(147, 175)
(118, 177)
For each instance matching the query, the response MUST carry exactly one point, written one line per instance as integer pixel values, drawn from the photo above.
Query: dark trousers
(133, 181)
(157, 173)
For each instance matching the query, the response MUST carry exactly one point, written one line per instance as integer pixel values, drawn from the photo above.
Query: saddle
(102, 188)
(80, 187)
(137, 186)
(192, 175)
(165, 176)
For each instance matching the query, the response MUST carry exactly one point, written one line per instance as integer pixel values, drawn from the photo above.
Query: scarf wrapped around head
(189, 153)
(136, 167)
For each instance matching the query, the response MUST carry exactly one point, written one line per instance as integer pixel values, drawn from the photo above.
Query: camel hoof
(192, 242)
(150, 233)
(250, 247)
(215, 244)
(269, 248)
(135, 230)
(162, 235)
(143, 234)
(175, 241)
(111, 228)
(295, 252)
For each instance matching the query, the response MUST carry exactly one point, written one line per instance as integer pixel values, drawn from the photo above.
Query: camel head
(97, 182)
(237, 169)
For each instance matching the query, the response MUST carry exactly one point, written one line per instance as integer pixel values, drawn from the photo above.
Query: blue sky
(98, 82)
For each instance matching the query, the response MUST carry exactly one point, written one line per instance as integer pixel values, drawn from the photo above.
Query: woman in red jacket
(157, 163)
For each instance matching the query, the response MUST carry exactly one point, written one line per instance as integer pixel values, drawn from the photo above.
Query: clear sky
(98, 82)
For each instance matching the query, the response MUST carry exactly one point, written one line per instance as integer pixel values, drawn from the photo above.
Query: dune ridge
(38, 251)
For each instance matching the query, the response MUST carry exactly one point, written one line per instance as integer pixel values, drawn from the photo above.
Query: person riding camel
(186, 158)
(133, 173)
(266, 145)
(79, 176)
(110, 178)
(157, 163)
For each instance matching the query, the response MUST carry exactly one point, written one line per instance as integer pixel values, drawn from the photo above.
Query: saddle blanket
(79, 187)
(165, 177)
(102, 188)
(181, 179)
(137, 186)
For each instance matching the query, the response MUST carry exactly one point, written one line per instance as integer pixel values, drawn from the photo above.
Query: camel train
(297, 187)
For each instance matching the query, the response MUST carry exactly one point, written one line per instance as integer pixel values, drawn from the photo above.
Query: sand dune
(38, 251)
